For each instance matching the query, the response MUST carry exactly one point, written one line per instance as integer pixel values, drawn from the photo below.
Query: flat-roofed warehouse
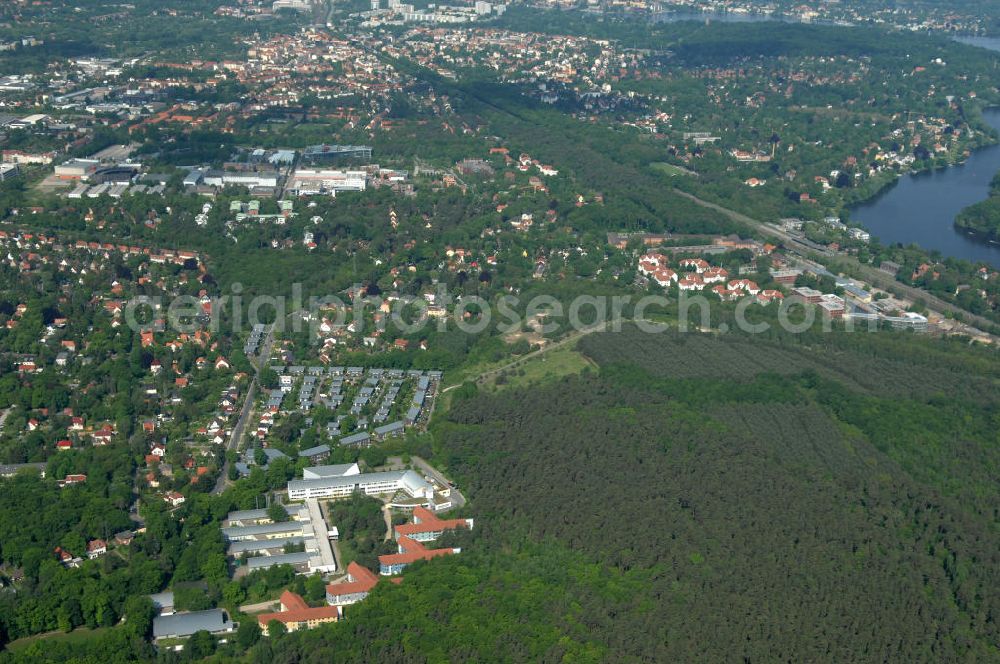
(329, 154)
(254, 546)
(263, 531)
(300, 561)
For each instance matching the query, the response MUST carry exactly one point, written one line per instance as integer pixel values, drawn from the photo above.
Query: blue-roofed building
(412, 415)
(857, 293)
(272, 454)
(356, 439)
(391, 429)
(315, 454)
(297, 560)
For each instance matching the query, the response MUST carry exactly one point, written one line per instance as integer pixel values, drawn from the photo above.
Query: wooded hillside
(699, 498)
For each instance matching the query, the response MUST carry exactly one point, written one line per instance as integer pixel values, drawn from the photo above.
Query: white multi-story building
(369, 483)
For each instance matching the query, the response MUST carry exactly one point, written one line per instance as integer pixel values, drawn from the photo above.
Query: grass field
(559, 362)
(669, 169)
(77, 635)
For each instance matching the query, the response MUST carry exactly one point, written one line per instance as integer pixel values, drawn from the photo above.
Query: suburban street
(246, 411)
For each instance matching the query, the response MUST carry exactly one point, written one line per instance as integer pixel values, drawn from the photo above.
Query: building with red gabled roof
(698, 264)
(691, 282)
(174, 498)
(96, 548)
(410, 551)
(64, 445)
(67, 558)
(360, 580)
(715, 275)
(295, 614)
(725, 293)
(103, 435)
(745, 285)
(426, 525)
(78, 478)
(769, 294)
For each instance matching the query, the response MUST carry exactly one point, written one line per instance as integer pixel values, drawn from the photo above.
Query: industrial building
(77, 169)
(306, 182)
(331, 154)
(250, 180)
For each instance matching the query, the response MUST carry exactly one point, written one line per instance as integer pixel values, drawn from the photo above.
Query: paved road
(241, 422)
(387, 517)
(456, 496)
(396, 463)
(334, 544)
(867, 273)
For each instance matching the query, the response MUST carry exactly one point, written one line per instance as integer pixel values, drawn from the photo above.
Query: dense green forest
(697, 498)
(983, 218)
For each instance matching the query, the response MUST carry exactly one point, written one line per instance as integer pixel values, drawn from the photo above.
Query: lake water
(921, 208)
(990, 43)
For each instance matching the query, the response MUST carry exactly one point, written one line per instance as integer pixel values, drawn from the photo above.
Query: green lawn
(557, 363)
(78, 635)
(669, 169)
